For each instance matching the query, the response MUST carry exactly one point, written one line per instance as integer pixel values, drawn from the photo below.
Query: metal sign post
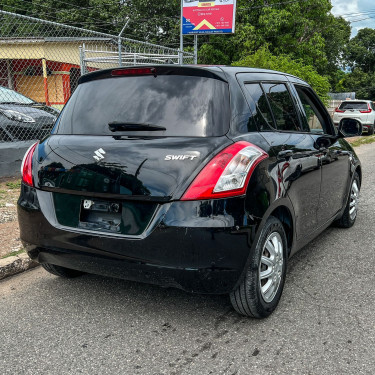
(181, 36)
(195, 49)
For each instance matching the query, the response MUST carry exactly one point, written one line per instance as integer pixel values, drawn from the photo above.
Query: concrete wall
(11, 155)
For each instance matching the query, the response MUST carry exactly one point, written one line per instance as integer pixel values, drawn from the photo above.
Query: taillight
(26, 166)
(227, 174)
(368, 109)
(339, 110)
(134, 72)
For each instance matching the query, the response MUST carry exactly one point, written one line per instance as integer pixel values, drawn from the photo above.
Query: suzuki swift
(201, 178)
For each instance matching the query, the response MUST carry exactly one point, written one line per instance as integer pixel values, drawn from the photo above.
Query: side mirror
(350, 128)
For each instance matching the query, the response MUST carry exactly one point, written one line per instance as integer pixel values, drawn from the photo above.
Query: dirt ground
(9, 230)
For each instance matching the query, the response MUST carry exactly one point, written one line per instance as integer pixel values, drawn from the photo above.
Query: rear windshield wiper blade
(133, 126)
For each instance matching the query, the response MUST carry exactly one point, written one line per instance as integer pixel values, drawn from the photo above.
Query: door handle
(285, 154)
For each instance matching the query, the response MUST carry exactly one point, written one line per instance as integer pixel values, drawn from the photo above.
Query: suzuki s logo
(99, 154)
(180, 157)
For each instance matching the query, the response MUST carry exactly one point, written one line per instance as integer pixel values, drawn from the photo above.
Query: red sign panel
(208, 17)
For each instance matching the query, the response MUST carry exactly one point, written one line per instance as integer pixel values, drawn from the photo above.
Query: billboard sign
(208, 17)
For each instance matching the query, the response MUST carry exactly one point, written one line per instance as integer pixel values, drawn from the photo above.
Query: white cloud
(355, 10)
(343, 7)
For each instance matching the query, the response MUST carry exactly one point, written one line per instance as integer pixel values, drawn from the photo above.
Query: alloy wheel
(354, 198)
(271, 266)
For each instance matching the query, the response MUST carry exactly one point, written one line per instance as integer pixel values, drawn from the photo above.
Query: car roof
(215, 69)
(233, 70)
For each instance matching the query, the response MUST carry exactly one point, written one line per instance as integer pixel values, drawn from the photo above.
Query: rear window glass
(184, 105)
(354, 105)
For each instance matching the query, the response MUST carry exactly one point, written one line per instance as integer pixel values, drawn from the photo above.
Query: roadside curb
(15, 264)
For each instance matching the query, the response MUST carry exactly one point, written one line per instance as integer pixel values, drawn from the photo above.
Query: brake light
(26, 166)
(368, 109)
(339, 110)
(134, 72)
(227, 174)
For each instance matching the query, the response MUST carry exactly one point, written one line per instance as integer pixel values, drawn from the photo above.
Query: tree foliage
(263, 58)
(360, 52)
(305, 31)
(360, 58)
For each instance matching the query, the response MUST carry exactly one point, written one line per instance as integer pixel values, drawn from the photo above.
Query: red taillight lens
(227, 174)
(368, 109)
(134, 72)
(339, 110)
(26, 166)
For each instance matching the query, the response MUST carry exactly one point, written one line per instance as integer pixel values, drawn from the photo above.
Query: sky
(362, 12)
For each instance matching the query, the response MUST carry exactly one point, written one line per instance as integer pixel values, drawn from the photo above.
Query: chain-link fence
(41, 62)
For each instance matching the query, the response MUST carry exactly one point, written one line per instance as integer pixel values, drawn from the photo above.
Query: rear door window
(261, 113)
(183, 105)
(282, 106)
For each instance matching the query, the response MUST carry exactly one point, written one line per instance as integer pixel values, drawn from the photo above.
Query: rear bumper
(195, 246)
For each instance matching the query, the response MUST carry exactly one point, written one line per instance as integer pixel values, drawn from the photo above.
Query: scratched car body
(202, 178)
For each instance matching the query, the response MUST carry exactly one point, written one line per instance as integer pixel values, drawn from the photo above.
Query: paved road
(95, 325)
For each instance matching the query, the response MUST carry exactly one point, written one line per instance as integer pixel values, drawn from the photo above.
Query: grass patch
(363, 141)
(14, 253)
(13, 184)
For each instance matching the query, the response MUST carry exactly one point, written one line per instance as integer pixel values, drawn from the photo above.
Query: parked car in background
(23, 119)
(360, 110)
(202, 178)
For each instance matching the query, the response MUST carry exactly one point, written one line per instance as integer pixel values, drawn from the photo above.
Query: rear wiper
(133, 126)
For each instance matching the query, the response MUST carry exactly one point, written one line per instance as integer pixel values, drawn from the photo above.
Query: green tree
(304, 30)
(360, 52)
(263, 58)
(362, 83)
(336, 35)
(156, 21)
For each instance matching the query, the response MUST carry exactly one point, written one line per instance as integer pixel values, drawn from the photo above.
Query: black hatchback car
(202, 178)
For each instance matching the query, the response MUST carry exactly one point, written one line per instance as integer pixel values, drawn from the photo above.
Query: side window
(312, 118)
(282, 106)
(261, 113)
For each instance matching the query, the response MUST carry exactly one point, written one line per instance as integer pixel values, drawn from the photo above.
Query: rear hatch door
(357, 110)
(125, 144)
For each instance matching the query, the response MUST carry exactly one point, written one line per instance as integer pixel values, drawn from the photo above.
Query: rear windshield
(184, 105)
(354, 105)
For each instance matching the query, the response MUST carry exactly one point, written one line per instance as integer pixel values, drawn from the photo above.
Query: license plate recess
(100, 215)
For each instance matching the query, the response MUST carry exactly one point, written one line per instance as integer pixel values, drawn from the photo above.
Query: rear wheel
(259, 292)
(349, 216)
(61, 271)
(370, 130)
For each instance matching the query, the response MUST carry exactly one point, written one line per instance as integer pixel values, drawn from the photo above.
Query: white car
(361, 110)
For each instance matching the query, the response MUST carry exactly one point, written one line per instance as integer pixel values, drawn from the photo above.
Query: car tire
(349, 216)
(258, 295)
(371, 130)
(61, 271)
